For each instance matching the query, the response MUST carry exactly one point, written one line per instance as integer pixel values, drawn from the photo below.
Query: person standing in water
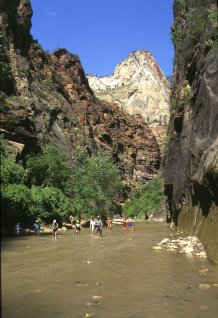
(37, 227)
(109, 223)
(92, 226)
(54, 228)
(17, 229)
(99, 226)
(130, 224)
(78, 227)
(124, 224)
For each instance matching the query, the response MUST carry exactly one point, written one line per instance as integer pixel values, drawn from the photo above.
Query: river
(116, 276)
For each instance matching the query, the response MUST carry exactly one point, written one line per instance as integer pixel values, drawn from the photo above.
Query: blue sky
(104, 32)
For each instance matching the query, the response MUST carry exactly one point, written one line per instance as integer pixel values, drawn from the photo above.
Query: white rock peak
(139, 87)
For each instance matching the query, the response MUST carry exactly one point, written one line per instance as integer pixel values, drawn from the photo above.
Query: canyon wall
(190, 165)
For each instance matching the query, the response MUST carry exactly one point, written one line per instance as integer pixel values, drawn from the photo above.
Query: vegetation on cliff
(5, 66)
(201, 16)
(48, 188)
(146, 201)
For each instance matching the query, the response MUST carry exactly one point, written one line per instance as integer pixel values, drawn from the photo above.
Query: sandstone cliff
(191, 162)
(46, 98)
(139, 87)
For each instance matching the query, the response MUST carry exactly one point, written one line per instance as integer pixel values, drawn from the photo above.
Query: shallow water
(43, 277)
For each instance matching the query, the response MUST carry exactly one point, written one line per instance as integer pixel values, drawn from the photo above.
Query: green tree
(49, 168)
(95, 185)
(15, 201)
(147, 200)
(11, 172)
(49, 203)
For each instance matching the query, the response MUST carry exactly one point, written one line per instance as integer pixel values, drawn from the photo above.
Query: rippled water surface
(116, 276)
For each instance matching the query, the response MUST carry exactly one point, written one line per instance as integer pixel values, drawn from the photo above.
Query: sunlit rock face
(139, 87)
(46, 98)
(191, 162)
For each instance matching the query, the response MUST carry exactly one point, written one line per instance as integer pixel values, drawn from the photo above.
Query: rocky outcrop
(46, 98)
(191, 163)
(185, 245)
(139, 87)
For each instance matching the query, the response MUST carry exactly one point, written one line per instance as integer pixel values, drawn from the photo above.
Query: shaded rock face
(191, 163)
(46, 98)
(139, 87)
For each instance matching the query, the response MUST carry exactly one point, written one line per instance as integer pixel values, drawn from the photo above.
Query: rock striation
(46, 98)
(139, 87)
(191, 162)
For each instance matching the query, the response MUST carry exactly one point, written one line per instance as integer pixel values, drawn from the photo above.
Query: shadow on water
(116, 276)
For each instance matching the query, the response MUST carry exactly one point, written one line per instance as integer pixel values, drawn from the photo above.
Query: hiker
(130, 224)
(54, 228)
(92, 225)
(124, 224)
(71, 219)
(78, 227)
(17, 229)
(37, 227)
(109, 223)
(99, 226)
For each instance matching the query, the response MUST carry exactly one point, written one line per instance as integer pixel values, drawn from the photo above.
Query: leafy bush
(147, 200)
(49, 168)
(95, 184)
(18, 195)
(15, 201)
(12, 173)
(49, 203)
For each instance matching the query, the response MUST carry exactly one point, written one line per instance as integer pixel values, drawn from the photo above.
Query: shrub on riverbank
(146, 201)
(47, 187)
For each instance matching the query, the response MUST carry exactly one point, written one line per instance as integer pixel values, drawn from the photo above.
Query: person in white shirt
(92, 225)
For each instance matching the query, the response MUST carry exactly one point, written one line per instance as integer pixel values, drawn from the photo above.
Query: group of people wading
(128, 224)
(96, 226)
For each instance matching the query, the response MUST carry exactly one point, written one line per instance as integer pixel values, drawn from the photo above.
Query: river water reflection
(116, 276)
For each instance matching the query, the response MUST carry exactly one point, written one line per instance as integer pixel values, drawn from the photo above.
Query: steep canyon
(47, 98)
(190, 165)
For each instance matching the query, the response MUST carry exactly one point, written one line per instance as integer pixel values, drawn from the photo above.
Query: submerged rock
(97, 297)
(81, 284)
(204, 286)
(203, 271)
(188, 250)
(157, 247)
(165, 241)
(93, 303)
(89, 315)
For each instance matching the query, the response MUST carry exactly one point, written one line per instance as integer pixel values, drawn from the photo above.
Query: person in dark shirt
(78, 227)
(99, 226)
(37, 227)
